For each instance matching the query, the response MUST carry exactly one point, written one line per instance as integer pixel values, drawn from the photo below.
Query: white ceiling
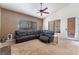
(32, 8)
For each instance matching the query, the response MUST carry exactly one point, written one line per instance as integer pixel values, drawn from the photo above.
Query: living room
(25, 29)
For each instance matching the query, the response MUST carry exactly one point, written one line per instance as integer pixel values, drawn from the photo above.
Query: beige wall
(0, 22)
(9, 21)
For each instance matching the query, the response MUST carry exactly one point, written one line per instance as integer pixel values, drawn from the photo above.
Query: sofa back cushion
(47, 33)
(21, 33)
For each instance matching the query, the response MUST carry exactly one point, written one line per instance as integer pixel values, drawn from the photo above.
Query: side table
(55, 39)
(7, 43)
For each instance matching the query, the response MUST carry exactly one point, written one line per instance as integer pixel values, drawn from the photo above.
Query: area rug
(36, 47)
(5, 50)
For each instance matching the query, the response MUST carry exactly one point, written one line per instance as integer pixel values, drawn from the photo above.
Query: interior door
(71, 27)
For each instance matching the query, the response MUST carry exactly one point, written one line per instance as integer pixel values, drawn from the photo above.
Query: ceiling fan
(41, 11)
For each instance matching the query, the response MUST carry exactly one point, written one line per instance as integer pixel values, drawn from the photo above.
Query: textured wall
(9, 21)
(0, 22)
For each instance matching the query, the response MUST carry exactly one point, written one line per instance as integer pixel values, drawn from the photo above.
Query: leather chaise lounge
(25, 35)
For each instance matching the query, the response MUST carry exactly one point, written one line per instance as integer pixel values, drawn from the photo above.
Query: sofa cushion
(21, 33)
(23, 37)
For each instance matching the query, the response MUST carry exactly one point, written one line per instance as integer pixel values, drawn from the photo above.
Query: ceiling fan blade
(46, 12)
(45, 9)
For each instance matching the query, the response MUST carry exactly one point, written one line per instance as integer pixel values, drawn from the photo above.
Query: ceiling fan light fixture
(41, 11)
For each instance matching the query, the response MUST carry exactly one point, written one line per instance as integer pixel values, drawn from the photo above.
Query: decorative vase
(3, 40)
(9, 36)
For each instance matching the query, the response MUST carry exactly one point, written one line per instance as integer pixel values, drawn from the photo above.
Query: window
(54, 26)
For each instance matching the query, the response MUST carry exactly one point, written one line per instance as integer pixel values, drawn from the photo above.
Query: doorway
(71, 27)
